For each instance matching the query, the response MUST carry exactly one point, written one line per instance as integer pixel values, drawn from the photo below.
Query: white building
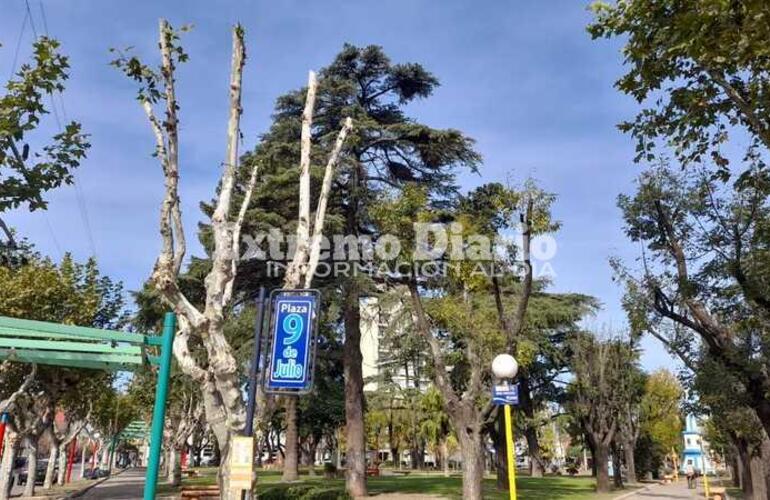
(379, 329)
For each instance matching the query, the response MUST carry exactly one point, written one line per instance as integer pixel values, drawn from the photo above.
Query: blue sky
(522, 78)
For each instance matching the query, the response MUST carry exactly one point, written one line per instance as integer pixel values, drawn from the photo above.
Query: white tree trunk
(63, 456)
(220, 380)
(31, 443)
(10, 450)
(445, 456)
(174, 467)
(49, 471)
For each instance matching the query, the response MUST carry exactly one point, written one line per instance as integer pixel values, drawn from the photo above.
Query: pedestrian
(690, 473)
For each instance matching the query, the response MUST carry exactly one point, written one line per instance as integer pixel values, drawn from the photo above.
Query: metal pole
(251, 402)
(159, 410)
(253, 371)
(705, 472)
(3, 424)
(510, 453)
(71, 459)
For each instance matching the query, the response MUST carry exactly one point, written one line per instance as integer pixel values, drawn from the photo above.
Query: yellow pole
(509, 447)
(705, 475)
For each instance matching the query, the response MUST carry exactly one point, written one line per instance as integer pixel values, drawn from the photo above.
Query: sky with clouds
(522, 78)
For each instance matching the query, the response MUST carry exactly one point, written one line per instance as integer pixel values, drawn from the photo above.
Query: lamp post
(505, 368)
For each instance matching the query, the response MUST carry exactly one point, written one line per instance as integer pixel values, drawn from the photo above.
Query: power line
(18, 44)
(79, 194)
(31, 19)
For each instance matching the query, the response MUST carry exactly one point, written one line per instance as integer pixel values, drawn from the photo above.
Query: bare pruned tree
(216, 370)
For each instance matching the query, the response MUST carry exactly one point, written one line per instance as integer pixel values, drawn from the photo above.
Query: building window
(688, 441)
(689, 461)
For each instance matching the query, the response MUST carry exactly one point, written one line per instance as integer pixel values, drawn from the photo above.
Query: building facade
(695, 450)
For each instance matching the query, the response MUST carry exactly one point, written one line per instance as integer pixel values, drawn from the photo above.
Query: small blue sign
(292, 352)
(505, 394)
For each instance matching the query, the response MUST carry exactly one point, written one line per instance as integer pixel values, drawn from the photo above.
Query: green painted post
(159, 411)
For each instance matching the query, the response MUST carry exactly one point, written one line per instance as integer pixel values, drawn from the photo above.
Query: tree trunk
(601, 456)
(83, 461)
(472, 451)
(29, 488)
(744, 456)
(223, 435)
(355, 442)
(291, 453)
(174, 472)
(395, 458)
(758, 483)
(501, 450)
(766, 464)
(61, 476)
(617, 477)
(592, 449)
(10, 450)
(536, 465)
(312, 449)
(628, 450)
(735, 465)
(445, 456)
(49, 471)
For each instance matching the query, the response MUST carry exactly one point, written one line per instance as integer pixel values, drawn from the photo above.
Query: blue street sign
(505, 394)
(293, 344)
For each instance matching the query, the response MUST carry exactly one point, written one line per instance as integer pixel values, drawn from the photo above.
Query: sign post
(241, 463)
(505, 394)
(293, 344)
(159, 410)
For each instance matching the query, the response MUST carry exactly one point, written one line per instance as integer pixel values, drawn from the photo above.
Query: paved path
(127, 485)
(672, 491)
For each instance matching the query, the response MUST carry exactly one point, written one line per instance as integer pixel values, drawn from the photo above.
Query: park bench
(200, 492)
(373, 471)
(718, 493)
(668, 478)
(402, 472)
(190, 473)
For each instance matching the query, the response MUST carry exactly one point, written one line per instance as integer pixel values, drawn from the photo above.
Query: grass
(547, 488)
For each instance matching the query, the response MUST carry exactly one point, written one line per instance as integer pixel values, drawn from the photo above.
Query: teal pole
(159, 411)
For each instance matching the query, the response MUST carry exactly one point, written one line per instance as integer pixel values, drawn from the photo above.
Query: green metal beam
(21, 332)
(110, 362)
(54, 345)
(56, 329)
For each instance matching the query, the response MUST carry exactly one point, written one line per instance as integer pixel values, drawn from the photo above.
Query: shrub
(326, 494)
(304, 492)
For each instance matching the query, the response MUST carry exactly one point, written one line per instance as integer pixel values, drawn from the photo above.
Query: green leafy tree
(699, 67)
(69, 293)
(599, 392)
(435, 426)
(27, 176)
(660, 422)
(386, 151)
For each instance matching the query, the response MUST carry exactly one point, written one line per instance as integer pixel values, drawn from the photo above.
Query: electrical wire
(79, 194)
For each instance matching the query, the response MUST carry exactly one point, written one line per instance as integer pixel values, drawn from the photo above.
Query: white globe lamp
(504, 366)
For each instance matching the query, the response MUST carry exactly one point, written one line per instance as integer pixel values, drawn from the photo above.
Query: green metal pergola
(135, 430)
(28, 341)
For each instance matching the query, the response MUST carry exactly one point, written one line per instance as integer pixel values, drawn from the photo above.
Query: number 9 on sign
(293, 325)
